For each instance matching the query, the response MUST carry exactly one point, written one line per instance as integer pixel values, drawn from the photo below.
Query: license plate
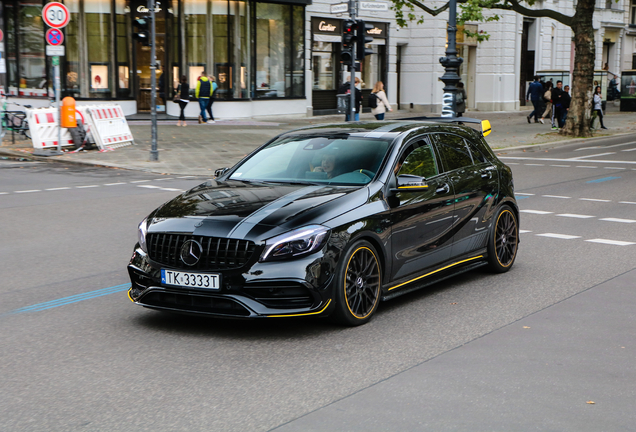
(191, 280)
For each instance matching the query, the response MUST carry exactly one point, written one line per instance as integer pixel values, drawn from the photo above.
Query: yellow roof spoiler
(485, 128)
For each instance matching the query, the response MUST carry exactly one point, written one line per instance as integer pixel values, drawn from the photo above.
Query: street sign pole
(56, 82)
(352, 66)
(154, 153)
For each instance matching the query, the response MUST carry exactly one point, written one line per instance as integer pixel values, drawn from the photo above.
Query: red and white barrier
(43, 126)
(108, 125)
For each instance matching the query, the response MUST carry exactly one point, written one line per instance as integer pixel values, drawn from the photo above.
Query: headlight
(295, 243)
(141, 233)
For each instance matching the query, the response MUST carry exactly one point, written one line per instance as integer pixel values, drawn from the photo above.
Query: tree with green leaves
(579, 115)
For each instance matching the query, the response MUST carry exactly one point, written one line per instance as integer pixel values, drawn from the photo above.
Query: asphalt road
(78, 355)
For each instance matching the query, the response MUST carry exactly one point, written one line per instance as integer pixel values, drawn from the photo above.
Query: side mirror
(220, 171)
(485, 128)
(409, 183)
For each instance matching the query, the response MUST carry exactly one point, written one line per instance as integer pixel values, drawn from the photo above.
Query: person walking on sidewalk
(547, 97)
(212, 96)
(381, 102)
(183, 93)
(598, 105)
(534, 94)
(346, 89)
(557, 105)
(203, 93)
(565, 105)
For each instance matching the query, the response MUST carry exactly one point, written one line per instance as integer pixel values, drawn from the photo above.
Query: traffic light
(363, 39)
(142, 34)
(348, 38)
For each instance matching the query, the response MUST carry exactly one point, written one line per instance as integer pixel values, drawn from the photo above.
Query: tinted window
(420, 161)
(478, 156)
(454, 152)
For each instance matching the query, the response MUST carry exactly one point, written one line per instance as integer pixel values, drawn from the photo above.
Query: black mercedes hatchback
(328, 221)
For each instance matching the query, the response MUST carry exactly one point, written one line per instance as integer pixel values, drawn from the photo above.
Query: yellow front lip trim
(409, 187)
(438, 270)
(130, 296)
(301, 314)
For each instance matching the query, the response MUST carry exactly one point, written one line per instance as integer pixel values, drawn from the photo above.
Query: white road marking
(618, 220)
(520, 193)
(562, 166)
(60, 188)
(28, 191)
(164, 178)
(160, 188)
(149, 187)
(634, 149)
(605, 147)
(582, 166)
(512, 163)
(611, 242)
(541, 212)
(626, 202)
(559, 236)
(524, 231)
(183, 177)
(591, 156)
(114, 184)
(172, 189)
(84, 187)
(4, 193)
(578, 216)
(139, 181)
(556, 196)
(525, 158)
(534, 164)
(614, 168)
(594, 199)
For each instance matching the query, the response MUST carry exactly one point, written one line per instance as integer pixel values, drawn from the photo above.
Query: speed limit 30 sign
(55, 15)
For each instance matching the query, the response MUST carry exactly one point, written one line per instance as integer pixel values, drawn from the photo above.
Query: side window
(454, 152)
(478, 156)
(419, 160)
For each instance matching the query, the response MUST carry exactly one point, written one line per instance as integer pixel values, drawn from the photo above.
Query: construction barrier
(108, 125)
(43, 124)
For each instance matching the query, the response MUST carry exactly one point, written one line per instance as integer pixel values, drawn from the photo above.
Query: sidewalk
(200, 149)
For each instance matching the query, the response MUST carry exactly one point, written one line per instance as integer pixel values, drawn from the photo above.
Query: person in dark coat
(346, 89)
(565, 105)
(535, 95)
(557, 105)
(183, 91)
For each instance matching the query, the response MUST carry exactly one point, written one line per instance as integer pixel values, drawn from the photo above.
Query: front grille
(218, 253)
(282, 295)
(194, 303)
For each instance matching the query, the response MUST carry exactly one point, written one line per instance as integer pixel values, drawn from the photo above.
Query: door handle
(442, 189)
(486, 174)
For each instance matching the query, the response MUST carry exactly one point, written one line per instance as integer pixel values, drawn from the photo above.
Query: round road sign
(55, 15)
(54, 37)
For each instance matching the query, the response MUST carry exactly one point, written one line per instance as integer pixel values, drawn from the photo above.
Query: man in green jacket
(203, 93)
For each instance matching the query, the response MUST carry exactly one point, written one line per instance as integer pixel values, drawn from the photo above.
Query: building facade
(282, 57)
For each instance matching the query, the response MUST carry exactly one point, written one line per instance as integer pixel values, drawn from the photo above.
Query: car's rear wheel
(504, 241)
(358, 284)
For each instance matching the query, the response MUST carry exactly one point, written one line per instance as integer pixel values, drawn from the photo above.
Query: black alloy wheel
(358, 285)
(504, 241)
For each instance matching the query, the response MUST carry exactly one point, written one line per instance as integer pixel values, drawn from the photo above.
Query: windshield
(343, 160)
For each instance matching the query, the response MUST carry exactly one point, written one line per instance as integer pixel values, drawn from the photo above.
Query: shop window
(122, 47)
(324, 66)
(195, 13)
(12, 62)
(71, 78)
(279, 69)
(32, 70)
(373, 66)
(97, 14)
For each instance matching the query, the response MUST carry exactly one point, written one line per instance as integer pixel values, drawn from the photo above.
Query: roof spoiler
(485, 124)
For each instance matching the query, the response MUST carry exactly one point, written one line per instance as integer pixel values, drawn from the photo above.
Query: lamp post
(451, 64)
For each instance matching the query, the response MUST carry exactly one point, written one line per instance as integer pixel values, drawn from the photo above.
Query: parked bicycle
(15, 121)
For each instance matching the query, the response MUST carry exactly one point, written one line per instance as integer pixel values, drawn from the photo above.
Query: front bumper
(300, 287)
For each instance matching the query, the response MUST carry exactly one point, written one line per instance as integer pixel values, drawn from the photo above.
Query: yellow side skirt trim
(438, 270)
(301, 314)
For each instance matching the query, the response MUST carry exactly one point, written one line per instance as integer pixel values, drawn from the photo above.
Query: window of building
(71, 67)
(98, 35)
(122, 47)
(11, 55)
(324, 66)
(32, 71)
(279, 40)
(632, 13)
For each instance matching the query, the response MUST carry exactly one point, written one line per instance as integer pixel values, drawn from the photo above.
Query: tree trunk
(579, 115)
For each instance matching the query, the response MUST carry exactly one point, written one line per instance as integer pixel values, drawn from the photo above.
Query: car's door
(475, 183)
(421, 218)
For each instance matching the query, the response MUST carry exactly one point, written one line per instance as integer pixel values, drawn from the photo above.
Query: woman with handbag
(182, 97)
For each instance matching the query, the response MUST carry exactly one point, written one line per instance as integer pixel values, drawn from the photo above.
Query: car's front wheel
(358, 284)
(504, 241)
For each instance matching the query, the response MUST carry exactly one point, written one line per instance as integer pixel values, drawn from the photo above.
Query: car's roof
(375, 129)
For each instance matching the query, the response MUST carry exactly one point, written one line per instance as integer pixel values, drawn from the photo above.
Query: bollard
(68, 113)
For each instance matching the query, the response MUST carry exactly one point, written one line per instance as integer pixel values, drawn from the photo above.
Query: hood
(253, 211)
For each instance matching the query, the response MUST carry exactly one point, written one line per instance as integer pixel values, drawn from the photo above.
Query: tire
(357, 284)
(503, 241)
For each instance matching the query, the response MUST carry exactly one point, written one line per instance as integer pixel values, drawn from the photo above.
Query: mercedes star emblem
(191, 252)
